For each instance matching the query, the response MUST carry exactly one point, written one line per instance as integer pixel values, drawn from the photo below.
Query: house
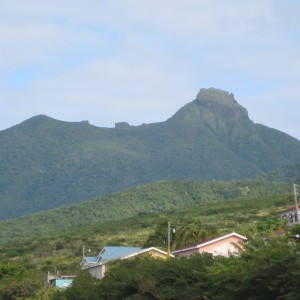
(290, 215)
(98, 265)
(60, 281)
(221, 246)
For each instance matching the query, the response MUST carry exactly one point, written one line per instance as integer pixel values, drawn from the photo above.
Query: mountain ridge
(45, 163)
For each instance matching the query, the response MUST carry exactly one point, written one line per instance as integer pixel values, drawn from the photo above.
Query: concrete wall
(97, 271)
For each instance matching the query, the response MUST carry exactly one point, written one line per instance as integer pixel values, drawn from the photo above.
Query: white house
(290, 215)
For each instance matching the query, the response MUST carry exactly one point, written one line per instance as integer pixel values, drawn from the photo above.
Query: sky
(140, 61)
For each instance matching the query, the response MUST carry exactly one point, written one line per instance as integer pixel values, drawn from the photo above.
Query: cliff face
(222, 104)
(216, 111)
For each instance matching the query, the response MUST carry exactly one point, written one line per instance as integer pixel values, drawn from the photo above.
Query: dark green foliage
(270, 225)
(8, 270)
(159, 236)
(182, 234)
(45, 163)
(16, 282)
(191, 233)
(150, 198)
(289, 173)
(295, 230)
(147, 278)
(84, 287)
(269, 269)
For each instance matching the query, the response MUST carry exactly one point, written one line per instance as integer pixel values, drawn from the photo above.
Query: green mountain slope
(287, 173)
(150, 198)
(45, 163)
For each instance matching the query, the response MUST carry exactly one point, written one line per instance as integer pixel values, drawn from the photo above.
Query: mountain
(45, 163)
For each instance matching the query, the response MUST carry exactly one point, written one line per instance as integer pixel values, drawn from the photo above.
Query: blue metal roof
(111, 253)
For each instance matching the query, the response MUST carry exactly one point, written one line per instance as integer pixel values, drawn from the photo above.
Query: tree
(83, 288)
(268, 269)
(191, 233)
(159, 237)
(184, 235)
(150, 278)
(19, 283)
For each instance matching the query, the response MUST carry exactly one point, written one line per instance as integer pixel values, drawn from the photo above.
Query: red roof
(293, 207)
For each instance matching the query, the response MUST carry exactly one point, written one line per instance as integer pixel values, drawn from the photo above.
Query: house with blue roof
(97, 265)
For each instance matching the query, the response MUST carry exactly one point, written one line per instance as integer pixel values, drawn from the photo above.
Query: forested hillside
(289, 173)
(45, 163)
(150, 198)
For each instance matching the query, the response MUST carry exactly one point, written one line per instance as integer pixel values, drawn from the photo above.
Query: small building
(60, 281)
(290, 215)
(226, 245)
(98, 265)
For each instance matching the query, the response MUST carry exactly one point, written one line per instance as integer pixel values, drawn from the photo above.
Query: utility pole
(83, 251)
(169, 238)
(296, 194)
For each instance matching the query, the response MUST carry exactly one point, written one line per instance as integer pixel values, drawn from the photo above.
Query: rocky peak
(216, 95)
(221, 103)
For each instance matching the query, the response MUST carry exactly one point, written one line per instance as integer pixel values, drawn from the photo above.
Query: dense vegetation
(30, 259)
(149, 198)
(288, 173)
(45, 163)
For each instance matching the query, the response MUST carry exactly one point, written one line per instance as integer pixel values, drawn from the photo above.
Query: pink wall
(223, 247)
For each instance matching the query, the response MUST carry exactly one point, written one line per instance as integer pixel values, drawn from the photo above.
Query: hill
(26, 262)
(62, 250)
(46, 163)
(150, 198)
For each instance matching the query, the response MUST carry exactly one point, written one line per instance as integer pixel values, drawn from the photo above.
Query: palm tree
(192, 233)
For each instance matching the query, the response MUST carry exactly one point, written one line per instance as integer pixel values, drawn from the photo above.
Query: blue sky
(140, 61)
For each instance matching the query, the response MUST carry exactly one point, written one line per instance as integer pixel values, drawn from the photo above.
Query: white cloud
(131, 88)
(140, 61)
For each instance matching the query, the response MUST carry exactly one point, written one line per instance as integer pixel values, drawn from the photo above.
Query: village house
(290, 215)
(226, 245)
(97, 265)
